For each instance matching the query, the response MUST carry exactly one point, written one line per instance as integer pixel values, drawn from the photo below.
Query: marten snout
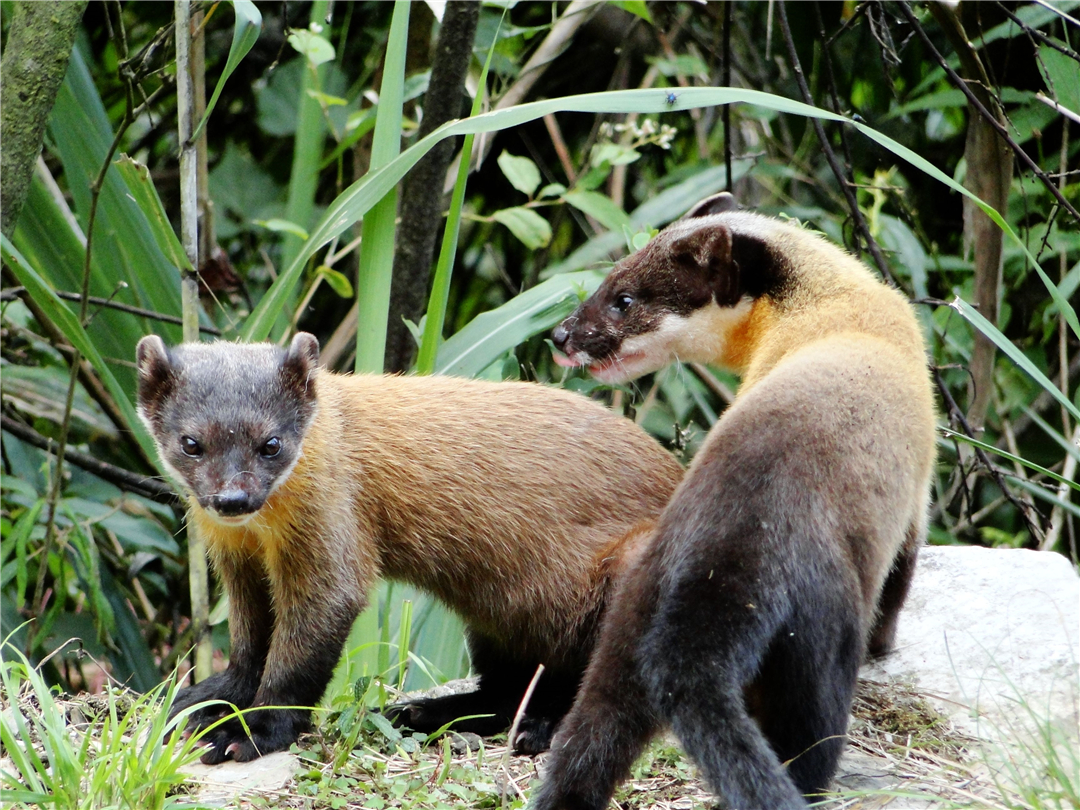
(234, 502)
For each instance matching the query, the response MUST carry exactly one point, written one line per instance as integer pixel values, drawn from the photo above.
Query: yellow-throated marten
(787, 551)
(507, 501)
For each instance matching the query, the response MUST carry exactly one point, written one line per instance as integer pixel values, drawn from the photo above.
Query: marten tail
(717, 641)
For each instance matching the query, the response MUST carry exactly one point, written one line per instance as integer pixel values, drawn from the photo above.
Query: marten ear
(300, 362)
(156, 376)
(716, 204)
(708, 248)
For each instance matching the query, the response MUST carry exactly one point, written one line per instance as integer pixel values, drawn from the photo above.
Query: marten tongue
(562, 360)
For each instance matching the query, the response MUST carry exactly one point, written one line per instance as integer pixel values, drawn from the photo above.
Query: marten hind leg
(705, 645)
(502, 684)
(612, 718)
(251, 624)
(895, 590)
(805, 687)
(503, 681)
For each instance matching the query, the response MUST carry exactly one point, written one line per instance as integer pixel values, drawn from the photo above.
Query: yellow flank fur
(377, 455)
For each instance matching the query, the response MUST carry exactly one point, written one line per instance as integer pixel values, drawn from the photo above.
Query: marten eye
(623, 302)
(271, 447)
(190, 447)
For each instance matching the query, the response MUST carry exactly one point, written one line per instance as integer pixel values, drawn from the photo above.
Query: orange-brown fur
(504, 500)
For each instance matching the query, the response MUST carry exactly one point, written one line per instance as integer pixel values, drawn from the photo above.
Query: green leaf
(635, 7)
(526, 225)
(245, 32)
(316, 49)
(521, 172)
(137, 177)
(552, 190)
(69, 324)
(599, 207)
(990, 331)
(1060, 72)
(614, 154)
(337, 280)
(282, 226)
(489, 335)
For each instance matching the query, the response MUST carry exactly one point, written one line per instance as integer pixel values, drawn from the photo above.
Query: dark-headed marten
(507, 501)
(786, 553)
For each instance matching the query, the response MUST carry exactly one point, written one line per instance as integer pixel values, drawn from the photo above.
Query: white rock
(220, 784)
(993, 635)
(990, 637)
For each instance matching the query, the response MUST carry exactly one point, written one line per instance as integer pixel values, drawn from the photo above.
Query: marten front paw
(228, 687)
(270, 730)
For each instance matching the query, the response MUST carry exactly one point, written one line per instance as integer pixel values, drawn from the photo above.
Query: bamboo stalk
(198, 572)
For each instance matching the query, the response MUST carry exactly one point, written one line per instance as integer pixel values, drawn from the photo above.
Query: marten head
(228, 418)
(678, 298)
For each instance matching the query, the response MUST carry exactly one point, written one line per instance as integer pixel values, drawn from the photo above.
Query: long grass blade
(444, 267)
(377, 249)
(491, 333)
(359, 198)
(989, 448)
(246, 30)
(994, 334)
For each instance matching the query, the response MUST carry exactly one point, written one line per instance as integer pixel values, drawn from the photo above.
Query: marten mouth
(615, 365)
(611, 369)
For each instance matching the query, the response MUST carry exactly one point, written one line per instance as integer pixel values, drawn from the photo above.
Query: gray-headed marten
(786, 553)
(510, 502)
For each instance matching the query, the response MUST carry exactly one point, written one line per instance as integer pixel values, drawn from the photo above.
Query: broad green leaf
(137, 177)
(953, 97)
(487, 336)
(245, 33)
(614, 154)
(552, 190)
(316, 49)
(599, 207)
(635, 7)
(125, 249)
(521, 172)
(527, 225)
(1060, 72)
(1014, 354)
(68, 323)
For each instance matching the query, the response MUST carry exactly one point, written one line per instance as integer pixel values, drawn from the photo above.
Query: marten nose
(232, 502)
(559, 336)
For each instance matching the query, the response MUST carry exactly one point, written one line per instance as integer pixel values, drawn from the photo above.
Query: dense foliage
(298, 131)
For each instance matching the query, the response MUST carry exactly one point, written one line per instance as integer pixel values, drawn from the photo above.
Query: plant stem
(198, 573)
